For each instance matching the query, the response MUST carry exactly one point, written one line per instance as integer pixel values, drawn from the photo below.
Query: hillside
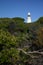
(15, 35)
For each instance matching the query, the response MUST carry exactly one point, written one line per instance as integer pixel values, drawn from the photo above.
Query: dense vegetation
(14, 34)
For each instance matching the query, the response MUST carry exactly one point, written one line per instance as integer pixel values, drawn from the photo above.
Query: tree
(8, 51)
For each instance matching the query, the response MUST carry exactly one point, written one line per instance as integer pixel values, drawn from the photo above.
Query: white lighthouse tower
(29, 18)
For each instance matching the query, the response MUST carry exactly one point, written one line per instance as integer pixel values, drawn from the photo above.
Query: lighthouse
(29, 18)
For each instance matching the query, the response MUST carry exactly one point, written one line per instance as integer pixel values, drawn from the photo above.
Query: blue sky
(20, 8)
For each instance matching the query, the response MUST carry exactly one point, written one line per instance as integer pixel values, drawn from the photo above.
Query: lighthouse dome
(28, 13)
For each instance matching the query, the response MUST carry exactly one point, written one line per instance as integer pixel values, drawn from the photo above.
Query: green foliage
(9, 55)
(7, 47)
(14, 34)
(6, 39)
